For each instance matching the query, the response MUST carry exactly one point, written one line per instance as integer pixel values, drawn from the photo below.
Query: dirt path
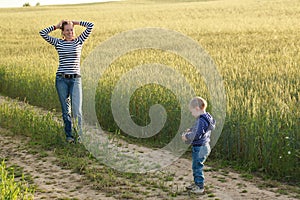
(54, 182)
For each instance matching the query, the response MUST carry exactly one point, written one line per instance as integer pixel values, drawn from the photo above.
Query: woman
(68, 81)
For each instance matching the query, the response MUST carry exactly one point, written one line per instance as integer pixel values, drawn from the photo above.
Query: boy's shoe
(190, 187)
(70, 140)
(197, 190)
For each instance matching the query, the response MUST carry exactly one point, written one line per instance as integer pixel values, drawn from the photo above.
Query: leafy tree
(26, 5)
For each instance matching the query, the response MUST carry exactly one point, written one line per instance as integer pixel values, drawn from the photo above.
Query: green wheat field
(254, 44)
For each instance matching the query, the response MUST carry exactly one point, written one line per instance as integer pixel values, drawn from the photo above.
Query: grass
(255, 46)
(13, 186)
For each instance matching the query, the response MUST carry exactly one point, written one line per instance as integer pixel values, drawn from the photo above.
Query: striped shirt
(69, 52)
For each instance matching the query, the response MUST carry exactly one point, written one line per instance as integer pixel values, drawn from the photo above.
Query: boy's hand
(183, 137)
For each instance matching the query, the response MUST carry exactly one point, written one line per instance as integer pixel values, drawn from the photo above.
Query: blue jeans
(199, 155)
(70, 96)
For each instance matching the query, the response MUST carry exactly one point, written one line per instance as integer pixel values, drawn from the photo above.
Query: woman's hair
(65, 23)
(198, 102)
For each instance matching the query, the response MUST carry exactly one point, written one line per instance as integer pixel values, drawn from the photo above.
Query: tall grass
(254, 44)
(13, 189)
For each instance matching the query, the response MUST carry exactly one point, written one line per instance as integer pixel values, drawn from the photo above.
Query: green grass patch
(13, 185)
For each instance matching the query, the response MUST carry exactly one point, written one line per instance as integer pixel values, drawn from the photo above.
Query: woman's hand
(58, 26)
(75, 22)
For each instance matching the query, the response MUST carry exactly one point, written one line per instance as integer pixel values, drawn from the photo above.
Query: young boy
(199, 136)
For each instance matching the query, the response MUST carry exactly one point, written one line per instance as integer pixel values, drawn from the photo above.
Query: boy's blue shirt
(200, 132)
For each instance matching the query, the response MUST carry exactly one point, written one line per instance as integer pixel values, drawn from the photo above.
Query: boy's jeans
(199, 155)
(70, 96)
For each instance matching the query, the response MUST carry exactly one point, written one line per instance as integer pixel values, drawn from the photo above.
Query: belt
(69, 76)
(199, 145)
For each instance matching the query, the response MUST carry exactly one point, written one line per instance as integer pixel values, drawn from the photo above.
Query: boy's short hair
(198, 102)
